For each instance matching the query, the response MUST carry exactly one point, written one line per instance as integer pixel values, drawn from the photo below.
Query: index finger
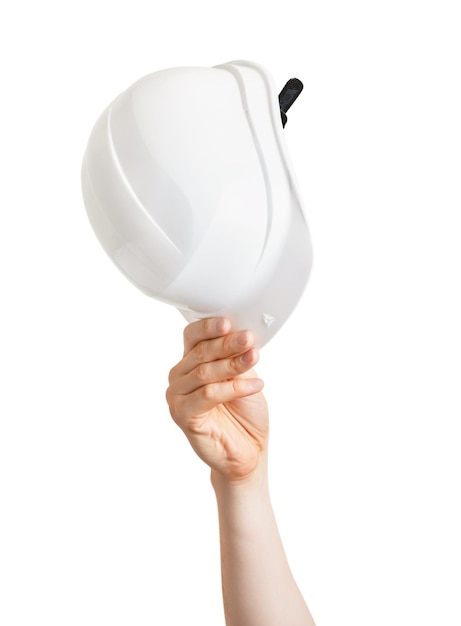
(202, 330)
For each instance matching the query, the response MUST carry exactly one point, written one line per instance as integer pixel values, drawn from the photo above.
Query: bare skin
(215, 397)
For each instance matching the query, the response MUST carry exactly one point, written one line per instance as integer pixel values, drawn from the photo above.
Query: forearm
(258, 587)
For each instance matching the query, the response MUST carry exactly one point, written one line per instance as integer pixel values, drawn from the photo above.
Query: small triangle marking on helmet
(268, 320)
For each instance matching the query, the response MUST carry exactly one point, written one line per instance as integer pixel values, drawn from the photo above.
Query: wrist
(255, 482)
(244, 506)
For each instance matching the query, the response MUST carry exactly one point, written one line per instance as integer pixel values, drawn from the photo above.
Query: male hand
(215, 398)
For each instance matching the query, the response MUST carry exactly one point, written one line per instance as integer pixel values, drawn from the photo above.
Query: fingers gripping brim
(204, 399)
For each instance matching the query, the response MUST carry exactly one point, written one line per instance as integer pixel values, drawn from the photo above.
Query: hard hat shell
(189, 188)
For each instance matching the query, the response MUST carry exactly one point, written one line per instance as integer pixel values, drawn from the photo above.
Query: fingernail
(242, 338)
(247, 357)
(221, 324)
(256, 384)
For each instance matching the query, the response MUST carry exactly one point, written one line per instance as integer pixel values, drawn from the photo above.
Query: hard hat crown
(188, 186)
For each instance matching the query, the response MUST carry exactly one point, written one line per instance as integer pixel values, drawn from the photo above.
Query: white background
(106, 515)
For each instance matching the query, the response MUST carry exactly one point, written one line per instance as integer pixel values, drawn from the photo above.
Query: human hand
(215, 398)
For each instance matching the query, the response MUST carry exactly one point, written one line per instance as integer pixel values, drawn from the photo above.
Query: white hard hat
(190, 190)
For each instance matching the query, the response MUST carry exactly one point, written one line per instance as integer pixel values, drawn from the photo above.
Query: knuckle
(200, 351)
(234, 366)
(236, 386)
(172, 401)
(201, 372)
(228, 341)
(169, 397)
(239, 387)
(172, 375)
(208, 392)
